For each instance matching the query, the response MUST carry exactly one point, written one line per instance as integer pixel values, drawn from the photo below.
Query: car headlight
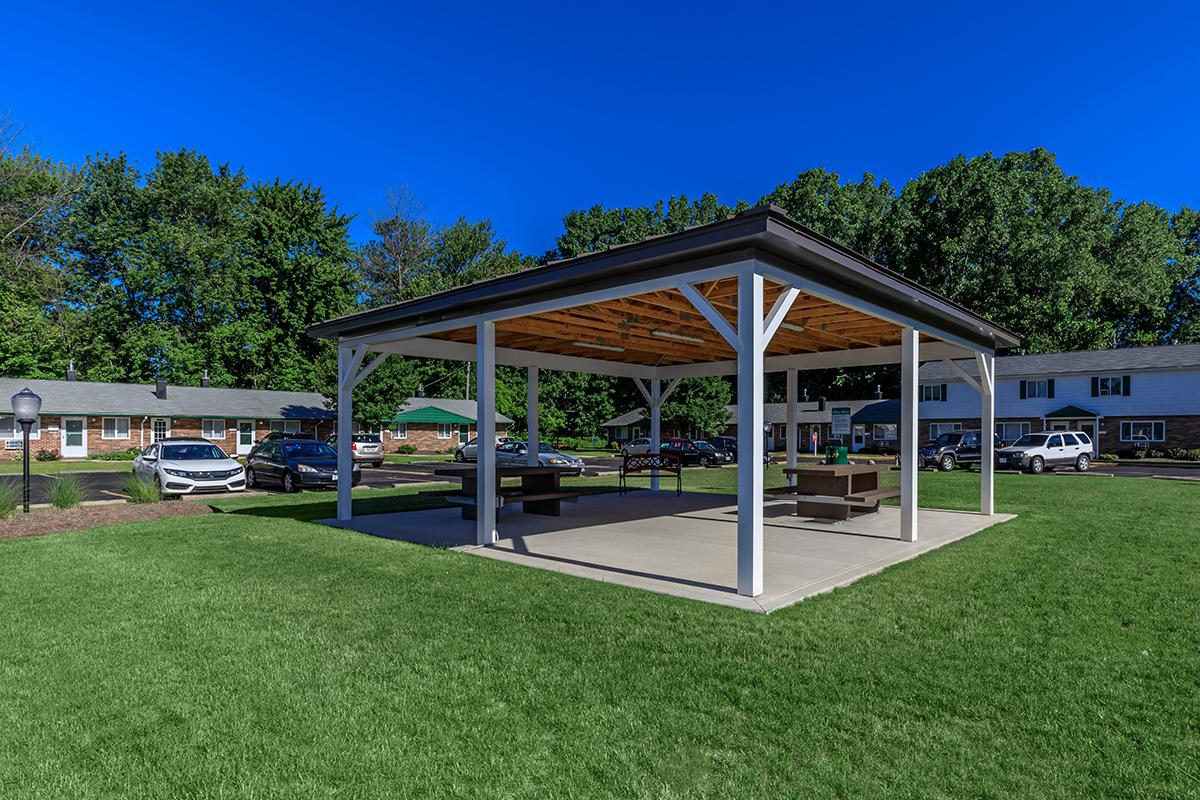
(305, 468)
(557, 461)
(178, 473)
(235, 471)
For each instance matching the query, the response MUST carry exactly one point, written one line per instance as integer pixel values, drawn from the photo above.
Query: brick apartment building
(435, 424)
(85, 418)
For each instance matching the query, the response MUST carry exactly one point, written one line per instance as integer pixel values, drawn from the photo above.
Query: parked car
(184, 465)
(955, 448)
(515, 453)
(729, 445)
(696, 451)
(296, 464)
(1038, 452)
(636, 447)
(279, 436)
(467, 450)
(365, 448)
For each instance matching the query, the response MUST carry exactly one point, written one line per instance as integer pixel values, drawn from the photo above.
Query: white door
(74, 437)
(245, 436)
(160, 428)
(860, 438)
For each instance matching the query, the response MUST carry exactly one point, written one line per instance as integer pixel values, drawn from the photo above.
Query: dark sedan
(697, 451)
(295, 465)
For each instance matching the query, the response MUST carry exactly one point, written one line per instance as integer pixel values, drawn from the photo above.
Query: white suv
(1038, 452)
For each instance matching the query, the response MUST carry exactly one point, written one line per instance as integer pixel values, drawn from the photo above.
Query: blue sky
(523, 114)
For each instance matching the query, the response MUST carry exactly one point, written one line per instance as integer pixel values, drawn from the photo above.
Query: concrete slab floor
(687, 545)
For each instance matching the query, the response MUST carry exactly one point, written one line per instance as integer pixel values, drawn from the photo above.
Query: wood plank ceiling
(663, 328)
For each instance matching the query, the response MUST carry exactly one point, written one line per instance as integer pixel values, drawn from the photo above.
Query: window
(1039, 388)
(11, 429)
(883, 432)
(285, 425)
(1070, 439)
(1111, 386)
(400, 431)
(114, 428)
(212, 428)
(1144, 430)
(445, 430)
(1011, 431)
(933, 393)
(1055, 441)
(781, 433)
(936, 429)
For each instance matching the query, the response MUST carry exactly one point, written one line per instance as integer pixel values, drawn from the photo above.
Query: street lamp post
(25, 406)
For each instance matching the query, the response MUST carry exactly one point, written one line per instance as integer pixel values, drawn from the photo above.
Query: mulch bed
(42, 521)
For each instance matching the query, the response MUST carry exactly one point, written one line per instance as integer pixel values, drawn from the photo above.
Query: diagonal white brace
(642, 388)
(701, 304)
(778, 312)
(670, 388)
(966, 376)
(369, 368)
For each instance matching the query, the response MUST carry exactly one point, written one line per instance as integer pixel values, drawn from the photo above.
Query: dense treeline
(191, 267)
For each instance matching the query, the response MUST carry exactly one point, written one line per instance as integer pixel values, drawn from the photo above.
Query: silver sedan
(516, 454)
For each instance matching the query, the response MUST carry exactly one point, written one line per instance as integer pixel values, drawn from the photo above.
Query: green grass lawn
(53, 467)
(253, 654)
(415, 458)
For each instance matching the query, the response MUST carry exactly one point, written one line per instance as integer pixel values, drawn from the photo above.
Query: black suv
(951, 449)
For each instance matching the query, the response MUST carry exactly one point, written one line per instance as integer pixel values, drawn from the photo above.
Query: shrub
(46, 455)
(10, 497)
(1108, 457)
(67, 491)
(17, 457)
(118, 455)
(407, 449)
(142, 490)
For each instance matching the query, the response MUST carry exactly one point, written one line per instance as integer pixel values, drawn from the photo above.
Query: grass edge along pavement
(1042, 657)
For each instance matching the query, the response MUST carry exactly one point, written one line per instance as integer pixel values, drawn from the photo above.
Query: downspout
(142, 433)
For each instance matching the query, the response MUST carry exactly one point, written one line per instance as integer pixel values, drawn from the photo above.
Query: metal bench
(650, 465)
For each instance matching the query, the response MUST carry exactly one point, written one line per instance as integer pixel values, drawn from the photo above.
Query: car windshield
(542, 448)
(191, 452)
(949, 438)
(308, 450)
(1031, 440)
(704, 446)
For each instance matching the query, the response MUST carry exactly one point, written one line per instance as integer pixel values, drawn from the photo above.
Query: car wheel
(251, 478)
(458, 456)
(1037, 465)
(947, 463)
(289, 483)
(704, 462)
(1083, 463)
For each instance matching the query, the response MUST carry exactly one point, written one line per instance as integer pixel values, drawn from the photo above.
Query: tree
(700, 405)
(853, 214)
(599, 228)
(403, 248)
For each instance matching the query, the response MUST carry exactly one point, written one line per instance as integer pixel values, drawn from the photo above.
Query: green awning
(431, 414)
(1071, 412)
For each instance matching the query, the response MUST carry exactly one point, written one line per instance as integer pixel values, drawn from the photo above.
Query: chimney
(204, 379)
(878, 392)
(820, 404)
(160, 389)
(71, 370)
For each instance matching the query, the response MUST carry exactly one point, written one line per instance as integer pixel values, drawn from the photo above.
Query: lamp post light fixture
(25, 406)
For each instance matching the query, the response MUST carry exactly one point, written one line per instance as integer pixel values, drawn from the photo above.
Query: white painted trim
(778, 312)
(858, 357)
(655, 399)
(909, 404)
(790, 441)
(345, 433)
(750, 433)
(369, 368)
(987, 432)
(485, 433)
(670, 388)
(714, 317)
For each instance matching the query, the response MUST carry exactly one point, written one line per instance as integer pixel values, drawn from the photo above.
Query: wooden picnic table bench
(650, 465)
(539, 492)
(835, 491)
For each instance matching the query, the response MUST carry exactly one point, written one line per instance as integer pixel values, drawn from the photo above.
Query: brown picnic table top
(836, 470)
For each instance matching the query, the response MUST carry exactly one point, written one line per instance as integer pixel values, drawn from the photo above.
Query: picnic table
(835, 491)
(539, 493)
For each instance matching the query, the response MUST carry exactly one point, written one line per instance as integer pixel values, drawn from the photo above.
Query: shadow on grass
(309, 507)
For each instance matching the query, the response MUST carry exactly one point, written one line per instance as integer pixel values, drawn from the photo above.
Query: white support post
(655, 425)
(750, 433)
(909, 395)
(987, 430)
(792, 438)
(531, 415)
(348, 360)
(485, 426)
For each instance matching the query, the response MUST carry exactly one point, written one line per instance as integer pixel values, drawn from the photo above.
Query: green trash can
(836, 455)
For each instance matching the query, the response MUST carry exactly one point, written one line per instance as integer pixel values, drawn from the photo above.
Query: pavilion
(751, 294)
